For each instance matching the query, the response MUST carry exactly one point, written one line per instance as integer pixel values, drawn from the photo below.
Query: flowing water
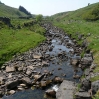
(58, 65)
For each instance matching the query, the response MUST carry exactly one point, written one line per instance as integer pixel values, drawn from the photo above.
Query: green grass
(95, 78)
(96, 95)
(18, 40)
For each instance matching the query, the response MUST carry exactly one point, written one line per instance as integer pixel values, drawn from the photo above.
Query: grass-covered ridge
(90, 12)
(14, 41)
(10, 11)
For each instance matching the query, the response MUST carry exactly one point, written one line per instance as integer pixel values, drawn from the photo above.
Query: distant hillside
(10, 11)
(90, 12)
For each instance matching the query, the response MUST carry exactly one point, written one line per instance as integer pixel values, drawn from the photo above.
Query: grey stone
(85, 84)
(12, 84)
(65, 90)
(37, 56)
(87, 72)
(10, 69)
(29, 72)
(83, 95)
(51, 93)
(26, 80)
(95, 86)
(74, 62)
(11, 92)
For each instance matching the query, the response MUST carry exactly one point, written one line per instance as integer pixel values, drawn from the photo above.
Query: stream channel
(59, 65)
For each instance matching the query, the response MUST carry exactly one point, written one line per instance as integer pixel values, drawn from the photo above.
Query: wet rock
(31, 67)
(51, 93)
(20, 69)
(66, 90)
(85, 84)
(60, 54)
(20, 89)
(10, 75)
(29, 72)
(26, 80)
(92, 67)
(10, 69)
(38, 77)
(69, 44)
(43, 84)
(95, 86)
(57, 80)
(83, 95)
(45, 64)
(46, 71)
(1, 93)
(87, 72)
(2, 79)
(86, 61)
(23, 85)
(48, 82)
(74, 62)
(59, 68)
(11, 92)
(37, 56)
(12, 84)
(76, 76)
(51, 48)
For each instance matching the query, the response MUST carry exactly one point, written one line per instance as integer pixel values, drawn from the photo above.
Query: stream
(59, 66)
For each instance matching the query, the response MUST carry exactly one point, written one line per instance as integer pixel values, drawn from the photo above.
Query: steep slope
(90, 12)
(10, 11)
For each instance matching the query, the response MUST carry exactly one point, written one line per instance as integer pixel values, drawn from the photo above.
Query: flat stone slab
(83, 95)
(65, 90)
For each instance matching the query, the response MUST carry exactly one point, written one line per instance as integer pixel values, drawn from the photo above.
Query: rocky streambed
(44, 68)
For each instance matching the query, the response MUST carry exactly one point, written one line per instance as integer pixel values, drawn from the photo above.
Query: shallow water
(54, 65)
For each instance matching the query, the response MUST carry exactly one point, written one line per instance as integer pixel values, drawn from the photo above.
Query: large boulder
(95, 86)
(66, 90)
(86, 84)
(83, 95)
(12, 84)
(51, 92)
(26, 80)
(86, 60)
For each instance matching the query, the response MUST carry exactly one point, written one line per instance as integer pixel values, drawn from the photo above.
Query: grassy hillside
(90, 12)
(9, 11)
(13, 41)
